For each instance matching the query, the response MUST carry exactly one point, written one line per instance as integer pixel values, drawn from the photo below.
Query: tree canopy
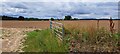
(68, 17)
(21, 18)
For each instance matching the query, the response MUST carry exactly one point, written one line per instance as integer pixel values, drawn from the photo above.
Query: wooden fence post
(62, 31)
(50, 24)
(111, 25)
(98, 24)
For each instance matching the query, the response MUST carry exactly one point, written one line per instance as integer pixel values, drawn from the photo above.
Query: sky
(60, 8)
(59, 0)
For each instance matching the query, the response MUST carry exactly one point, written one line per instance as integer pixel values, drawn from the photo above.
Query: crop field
(80, 36)
(25, 24)
(67, 24)
(80, 24)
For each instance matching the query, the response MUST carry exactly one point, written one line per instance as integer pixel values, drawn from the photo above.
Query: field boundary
(57, 29)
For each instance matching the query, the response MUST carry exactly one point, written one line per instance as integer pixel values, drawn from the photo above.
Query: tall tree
(21, 18)
(67, 17)
(52, 19)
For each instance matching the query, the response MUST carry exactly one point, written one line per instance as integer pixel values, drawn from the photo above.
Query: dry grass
(83, 24)
(92, 35)
(80, 24)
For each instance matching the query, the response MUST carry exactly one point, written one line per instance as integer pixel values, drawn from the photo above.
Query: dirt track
(12, 39)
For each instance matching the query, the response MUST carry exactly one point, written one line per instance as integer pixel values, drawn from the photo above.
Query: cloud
(59, 10)
(59, 0)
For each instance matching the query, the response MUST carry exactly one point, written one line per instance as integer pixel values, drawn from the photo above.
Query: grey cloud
(16, 5)
(52, 9)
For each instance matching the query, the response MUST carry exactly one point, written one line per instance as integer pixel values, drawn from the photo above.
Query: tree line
(68, 17)
(23, 18)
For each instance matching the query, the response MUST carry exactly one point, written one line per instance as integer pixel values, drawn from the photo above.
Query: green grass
(43, 41)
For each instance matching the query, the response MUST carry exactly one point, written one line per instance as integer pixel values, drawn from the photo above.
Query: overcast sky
(59, 0)
(60, 8)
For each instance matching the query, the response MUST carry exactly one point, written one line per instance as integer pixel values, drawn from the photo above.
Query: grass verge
(43, 41)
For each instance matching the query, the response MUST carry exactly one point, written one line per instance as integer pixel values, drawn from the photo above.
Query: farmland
(45, 24)
(25, 24)
(89, 23)
(80, 35)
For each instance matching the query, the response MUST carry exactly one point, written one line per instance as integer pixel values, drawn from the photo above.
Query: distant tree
(4, 17)
(31, 19)
(68, 17)
(8, 18)
(75, 19)
(21, 18)
(52, 19)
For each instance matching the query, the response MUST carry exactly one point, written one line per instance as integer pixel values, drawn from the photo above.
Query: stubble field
(67, 24)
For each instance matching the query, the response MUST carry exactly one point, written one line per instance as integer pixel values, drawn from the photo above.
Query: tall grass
(92, 36)
(43, 41)
(92, 39)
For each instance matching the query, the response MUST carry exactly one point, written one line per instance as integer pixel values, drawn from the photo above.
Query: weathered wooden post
(118, 17)
(98, 24)
(118, 26)
(111, 25)
(50, 24)
(62, 31)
